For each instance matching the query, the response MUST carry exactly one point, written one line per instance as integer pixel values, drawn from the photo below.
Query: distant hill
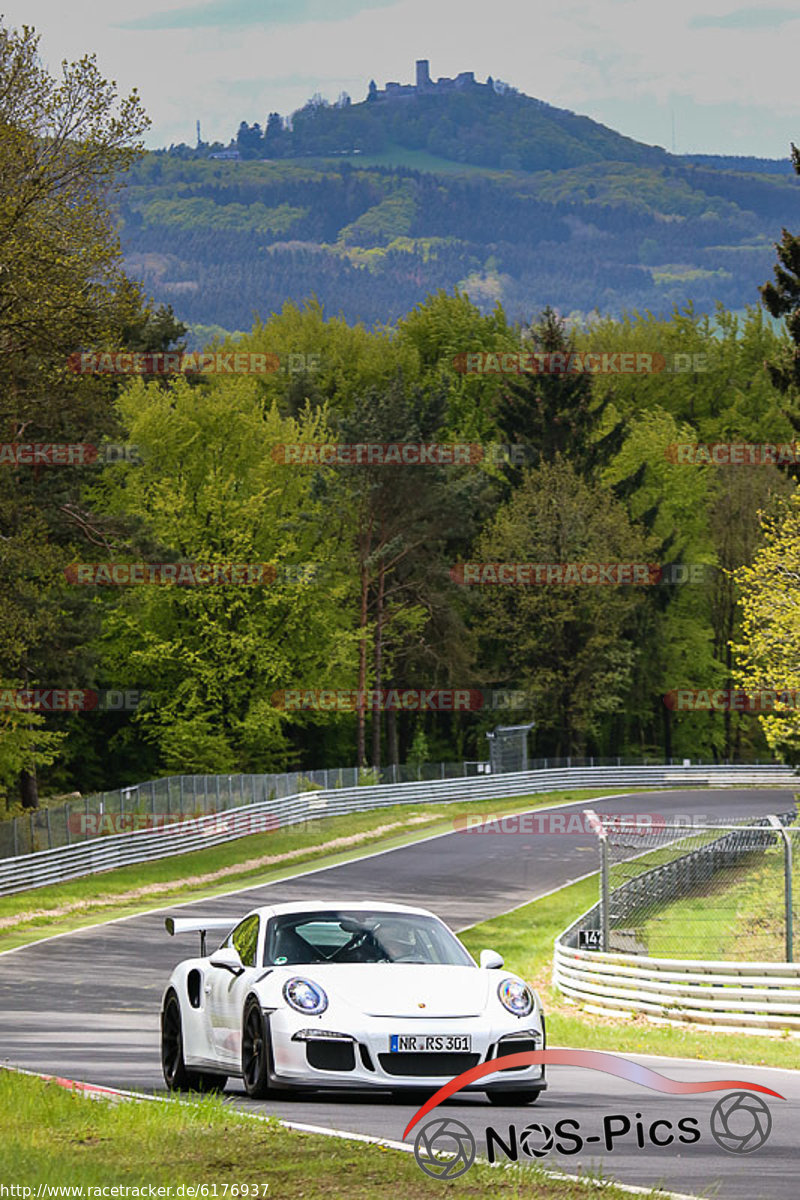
(741, 162)
(372, 206)
(476, 125)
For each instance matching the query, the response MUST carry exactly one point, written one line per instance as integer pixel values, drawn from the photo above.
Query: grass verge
(525, 939)
(738, 916)
(55, 1137)
(249, 861)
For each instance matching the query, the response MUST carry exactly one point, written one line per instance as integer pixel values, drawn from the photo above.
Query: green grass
(57, 1137)
(525, 939)
(40, 912)
(738, 916)
(417, 160)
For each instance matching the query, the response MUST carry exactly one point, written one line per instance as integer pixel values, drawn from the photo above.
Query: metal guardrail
(158, 802)
(145, 845)
(755, 997)
(752, 997)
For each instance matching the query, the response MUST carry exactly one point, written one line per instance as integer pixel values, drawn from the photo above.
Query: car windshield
(364, 936)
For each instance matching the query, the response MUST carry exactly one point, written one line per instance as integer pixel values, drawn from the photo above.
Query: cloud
(631, 65)
(747, 18)
(246, 14)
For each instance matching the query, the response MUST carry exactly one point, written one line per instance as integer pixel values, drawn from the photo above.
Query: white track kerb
(93, 1092)
(146, 845)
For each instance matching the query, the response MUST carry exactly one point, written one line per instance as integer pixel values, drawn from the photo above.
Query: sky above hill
(691, 75)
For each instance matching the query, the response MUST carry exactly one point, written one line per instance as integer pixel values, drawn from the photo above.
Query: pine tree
(782, 299)
(554, 414)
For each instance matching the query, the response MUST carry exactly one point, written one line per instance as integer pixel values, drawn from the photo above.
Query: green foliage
(210, 658)
(237, 238)
(571, 648)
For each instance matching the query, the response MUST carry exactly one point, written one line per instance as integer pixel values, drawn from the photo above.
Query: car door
(226, 992)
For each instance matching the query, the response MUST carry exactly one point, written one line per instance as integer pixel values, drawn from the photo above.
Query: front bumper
(304, 1058)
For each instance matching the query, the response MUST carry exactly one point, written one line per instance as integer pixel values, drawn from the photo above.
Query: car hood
(405, 989)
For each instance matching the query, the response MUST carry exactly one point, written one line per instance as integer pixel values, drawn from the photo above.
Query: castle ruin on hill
(425, 86)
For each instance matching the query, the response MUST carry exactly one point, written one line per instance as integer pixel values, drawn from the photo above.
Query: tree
(782, 299)
(212, 658)
(670, 503)
(570, 647)
(768, 651)
(401, 521)
(63, 146)
(552, 413)
(249, 140)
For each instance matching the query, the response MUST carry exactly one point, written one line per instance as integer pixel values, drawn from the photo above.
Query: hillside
(476, 125)
(372, 206)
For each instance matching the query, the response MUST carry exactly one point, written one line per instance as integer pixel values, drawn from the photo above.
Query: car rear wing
(201, 925)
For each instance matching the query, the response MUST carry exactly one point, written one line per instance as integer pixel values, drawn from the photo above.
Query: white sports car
(345, 995)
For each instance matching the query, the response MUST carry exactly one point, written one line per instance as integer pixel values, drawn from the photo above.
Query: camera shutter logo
(444, 1148)
(741, 1122)
(536, 1140)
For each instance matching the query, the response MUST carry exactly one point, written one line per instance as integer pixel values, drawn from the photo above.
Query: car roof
(337, 904)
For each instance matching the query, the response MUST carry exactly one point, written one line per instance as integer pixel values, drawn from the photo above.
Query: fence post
(49, 831)
(66, 823)
(16, 843)
(597, 825)
(787, 885)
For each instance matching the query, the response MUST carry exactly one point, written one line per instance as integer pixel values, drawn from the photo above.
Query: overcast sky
(725, 77)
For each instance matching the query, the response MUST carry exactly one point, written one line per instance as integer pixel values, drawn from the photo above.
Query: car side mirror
(227, 959)
(490, 960)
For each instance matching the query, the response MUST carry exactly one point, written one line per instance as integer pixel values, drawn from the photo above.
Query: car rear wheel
(176, 1075)
(513, 1099)
(255, 1051)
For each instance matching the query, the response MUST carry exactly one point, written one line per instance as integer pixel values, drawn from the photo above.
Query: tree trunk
(377, 720)
(391, 735)
(28, 789)
(361, 734)
(667, 718)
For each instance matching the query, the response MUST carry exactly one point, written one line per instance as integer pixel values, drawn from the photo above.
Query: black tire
(207, 1081)
(176, 1075)
(255, 1051)
(415, 1096)
(512, 1099)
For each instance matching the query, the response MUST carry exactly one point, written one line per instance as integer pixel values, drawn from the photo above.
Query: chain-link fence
(161, 802)
(723, 892)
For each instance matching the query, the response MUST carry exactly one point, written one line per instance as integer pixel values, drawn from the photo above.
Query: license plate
(428, 1043)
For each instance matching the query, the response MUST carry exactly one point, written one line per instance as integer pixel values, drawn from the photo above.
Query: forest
(618, 553)
(222, 241)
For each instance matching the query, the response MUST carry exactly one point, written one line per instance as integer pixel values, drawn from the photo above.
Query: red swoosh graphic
(594, 1060)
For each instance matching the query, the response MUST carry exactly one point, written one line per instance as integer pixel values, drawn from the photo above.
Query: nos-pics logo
(445, 1148)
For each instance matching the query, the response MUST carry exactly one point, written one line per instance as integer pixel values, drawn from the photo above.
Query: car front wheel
(255, 1052)
(513, 1099)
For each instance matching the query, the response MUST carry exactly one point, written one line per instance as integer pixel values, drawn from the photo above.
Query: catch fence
(695, 923)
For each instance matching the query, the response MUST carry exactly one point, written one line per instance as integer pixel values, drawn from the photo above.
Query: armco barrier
(124, 849)
(751, 997)
(747, 997)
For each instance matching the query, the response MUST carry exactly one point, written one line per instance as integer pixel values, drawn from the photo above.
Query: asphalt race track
(86, 1005)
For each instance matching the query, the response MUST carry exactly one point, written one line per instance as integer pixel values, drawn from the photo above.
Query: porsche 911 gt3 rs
(345, 994)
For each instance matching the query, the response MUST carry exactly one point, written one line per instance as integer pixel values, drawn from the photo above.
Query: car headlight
(305, 997)
(517, 997)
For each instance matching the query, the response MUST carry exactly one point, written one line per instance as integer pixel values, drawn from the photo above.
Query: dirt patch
(191, 881)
